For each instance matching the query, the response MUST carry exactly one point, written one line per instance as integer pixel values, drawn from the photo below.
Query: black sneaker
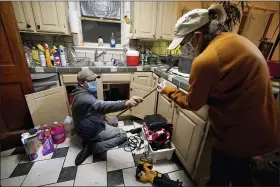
(83, 154)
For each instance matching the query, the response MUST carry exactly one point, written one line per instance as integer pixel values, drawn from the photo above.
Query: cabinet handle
(38, 27)
(28, 26)
(130, 89)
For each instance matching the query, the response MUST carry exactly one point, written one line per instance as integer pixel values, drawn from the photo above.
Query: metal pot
(152, 60)
(184, 65)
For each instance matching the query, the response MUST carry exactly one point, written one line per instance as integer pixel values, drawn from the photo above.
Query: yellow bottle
(48, 56)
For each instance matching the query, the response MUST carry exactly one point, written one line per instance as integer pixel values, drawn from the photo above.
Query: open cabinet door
(48, 106)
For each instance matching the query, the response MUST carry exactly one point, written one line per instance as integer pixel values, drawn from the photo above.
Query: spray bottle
(48, 56)
(42, 55)
(62, 55)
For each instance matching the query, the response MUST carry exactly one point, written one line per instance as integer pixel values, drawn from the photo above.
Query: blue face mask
(92, 87)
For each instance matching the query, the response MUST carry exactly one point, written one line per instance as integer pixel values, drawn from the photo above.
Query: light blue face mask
(92, 87)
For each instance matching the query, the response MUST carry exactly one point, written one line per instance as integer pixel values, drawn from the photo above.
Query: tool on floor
(174, 61)
(134, 143)
(145, 174)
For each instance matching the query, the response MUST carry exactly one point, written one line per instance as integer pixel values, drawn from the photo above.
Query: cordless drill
(144, 173)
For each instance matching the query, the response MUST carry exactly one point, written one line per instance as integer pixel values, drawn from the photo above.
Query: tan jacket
(231, 76)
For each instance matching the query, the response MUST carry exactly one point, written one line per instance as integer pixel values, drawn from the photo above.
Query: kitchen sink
(80, 64)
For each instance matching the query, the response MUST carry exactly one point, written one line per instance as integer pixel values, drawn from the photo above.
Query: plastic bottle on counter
(27, 53)
(48, 56)
(62, 55)
(35, 56)
(100, 41)
(113, 41)
(42, 59)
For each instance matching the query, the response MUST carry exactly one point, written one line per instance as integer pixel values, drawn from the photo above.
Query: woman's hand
(160, 87)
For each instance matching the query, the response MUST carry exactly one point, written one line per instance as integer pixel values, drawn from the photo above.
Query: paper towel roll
(74, 21)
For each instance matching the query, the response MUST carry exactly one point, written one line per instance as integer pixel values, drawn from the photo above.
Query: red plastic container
(132, 58)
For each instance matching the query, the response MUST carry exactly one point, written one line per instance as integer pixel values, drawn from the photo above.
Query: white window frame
(88, 46)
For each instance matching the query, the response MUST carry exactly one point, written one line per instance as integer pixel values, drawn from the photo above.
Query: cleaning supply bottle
(113, 41)
(47, 53)
(100, 41)
(35, 56)
(62, 55)
(27, 54)
(56, 56)
(42, 55)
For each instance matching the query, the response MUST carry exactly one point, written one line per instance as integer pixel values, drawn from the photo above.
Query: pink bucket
(58, 134)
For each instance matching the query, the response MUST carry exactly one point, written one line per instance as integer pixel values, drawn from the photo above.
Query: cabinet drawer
(115, 77)
(69, 78)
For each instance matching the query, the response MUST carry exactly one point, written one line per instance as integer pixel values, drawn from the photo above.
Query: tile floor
(115, 168)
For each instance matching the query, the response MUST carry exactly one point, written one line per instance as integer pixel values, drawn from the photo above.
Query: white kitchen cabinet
(144, 15)
(165, 107)
(50, 16)
(167, 17)
(48, 106)
(42, 17)
(154, 20)
(144, 78)
(187, 135)
(24, 15)
(147, 107)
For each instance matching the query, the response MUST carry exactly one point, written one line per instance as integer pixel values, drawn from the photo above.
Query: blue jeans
(109, 138)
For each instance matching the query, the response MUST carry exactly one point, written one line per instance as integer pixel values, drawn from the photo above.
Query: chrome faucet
(96, 55)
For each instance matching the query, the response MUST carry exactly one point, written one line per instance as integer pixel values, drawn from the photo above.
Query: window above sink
(100, 19)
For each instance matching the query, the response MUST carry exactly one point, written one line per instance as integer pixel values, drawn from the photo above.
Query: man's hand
(133, 101)
(110, 122)
(137, 99)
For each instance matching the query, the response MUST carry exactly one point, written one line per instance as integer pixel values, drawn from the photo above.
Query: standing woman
(230, 75)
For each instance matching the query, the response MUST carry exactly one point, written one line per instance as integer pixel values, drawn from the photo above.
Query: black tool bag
(155, 121)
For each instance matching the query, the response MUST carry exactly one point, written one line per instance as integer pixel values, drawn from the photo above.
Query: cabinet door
(147, 107)
(143, 78)
(167, 18)
(187, 136)
(24, 15)
(165, 107)
(145, 14)
(48, 106)
(255, 25)
(50, 16)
